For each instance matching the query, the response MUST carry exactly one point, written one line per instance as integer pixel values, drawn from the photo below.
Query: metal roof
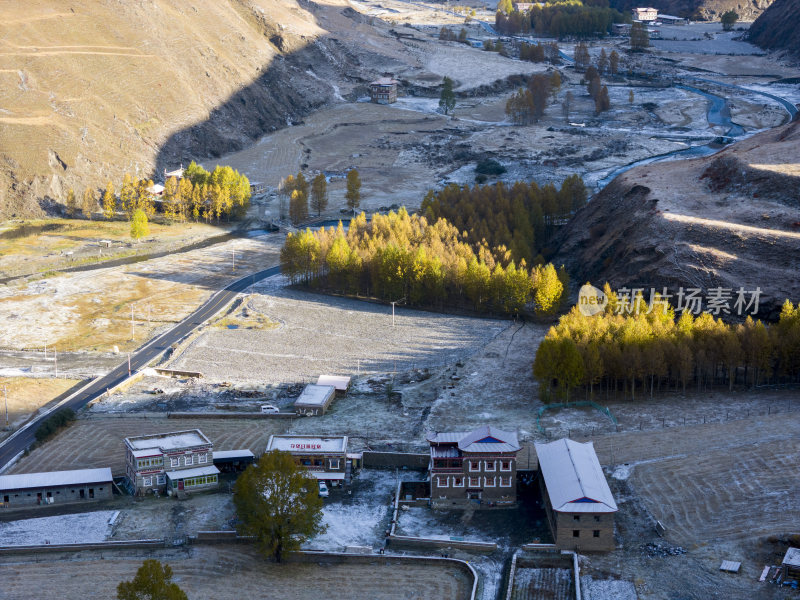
(792, 557)
(24, 481)
(329, 475)
(340, 382)
(315, 395)
(575, 482)
(196, 472)
(307, 443)
(166, 442)
(223, 454)
(484, 439)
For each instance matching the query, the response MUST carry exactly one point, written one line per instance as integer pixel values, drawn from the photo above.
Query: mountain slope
(95, 88)
(729, 220)
(778, 28)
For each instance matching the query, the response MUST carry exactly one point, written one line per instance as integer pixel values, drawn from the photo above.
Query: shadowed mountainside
(734, 221)
(778, 28)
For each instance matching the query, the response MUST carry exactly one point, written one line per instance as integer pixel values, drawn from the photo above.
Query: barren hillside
(734, 221)
(778, 28)
(95, 88)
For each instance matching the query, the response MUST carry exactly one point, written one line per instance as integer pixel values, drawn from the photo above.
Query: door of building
(180, 484)
(83, 493)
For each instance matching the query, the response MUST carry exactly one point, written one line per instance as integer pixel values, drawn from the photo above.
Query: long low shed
(314, 400)
(55, 487)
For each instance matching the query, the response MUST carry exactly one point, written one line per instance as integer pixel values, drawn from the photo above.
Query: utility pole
(393, 303)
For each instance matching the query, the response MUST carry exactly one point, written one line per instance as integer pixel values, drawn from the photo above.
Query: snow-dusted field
(607, 589)
(63, 529)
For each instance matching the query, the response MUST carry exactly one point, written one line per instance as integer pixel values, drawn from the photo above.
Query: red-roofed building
(479, 466)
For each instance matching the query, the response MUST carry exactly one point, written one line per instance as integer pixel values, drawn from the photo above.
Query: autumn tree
(88, 203)
(602, 102)
(447, 98)
(548, 290)
(613, 62)
(109, 201)
(298, 207)
(153, 581)
(319, 193)
(71, 204)
(640, 39)
(630, 97)
(278, 502)
(127, 195)
(139, 225)
(353, 193)
(602, 61)
(566, 104)
(555, 84)
(539, 86)
(172, 200)
(582, 57)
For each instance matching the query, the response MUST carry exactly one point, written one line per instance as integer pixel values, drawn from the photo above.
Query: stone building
(479, 466)
(170, 462)
(578, 501)
(383, 91)
(55, 487)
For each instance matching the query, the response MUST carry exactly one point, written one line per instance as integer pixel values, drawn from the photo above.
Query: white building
(324, 456)
(644, 14)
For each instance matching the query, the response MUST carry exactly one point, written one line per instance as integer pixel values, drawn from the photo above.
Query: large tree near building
(139, 226)
(278, 502)
(447, 99)
(729, 19)
(353, 193)
(153, 581)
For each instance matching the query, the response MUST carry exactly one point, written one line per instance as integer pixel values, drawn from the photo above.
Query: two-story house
(170, 462)
(478, 466)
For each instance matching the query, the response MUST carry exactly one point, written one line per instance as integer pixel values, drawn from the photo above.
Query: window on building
(202, 458)
(596, 533)
(443, 482)
(576, 517)
(505, 465)
(175, 462)
(161, 479)
(474, 481)
(305, 462)
(147, 481)
(6, 498)
(489, 465)
(489, 481)
(188, 459)
(474, 465)
(505, 482)
(596, 518)
(333, 463)
(576, 533)
(458, 482)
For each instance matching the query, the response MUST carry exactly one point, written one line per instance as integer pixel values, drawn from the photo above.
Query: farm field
(230, 573)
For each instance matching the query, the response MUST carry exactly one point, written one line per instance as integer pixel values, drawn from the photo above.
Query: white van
(323, 490)
(269, 409)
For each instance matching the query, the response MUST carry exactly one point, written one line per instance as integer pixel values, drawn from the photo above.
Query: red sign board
(305, 446)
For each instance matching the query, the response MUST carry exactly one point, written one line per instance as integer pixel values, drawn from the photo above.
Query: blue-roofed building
(478, 466)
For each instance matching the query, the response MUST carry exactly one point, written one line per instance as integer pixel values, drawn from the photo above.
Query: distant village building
(578, 501)
(479, 466)
(383, 90)
(55, 487)
(341, 383)
(324, 456)
(170, 462)
(177, 173)
(644, 14)
(314, 400)
(790, 566)
(156, 190)
(523, 6)
(621, 28)
(671, 20)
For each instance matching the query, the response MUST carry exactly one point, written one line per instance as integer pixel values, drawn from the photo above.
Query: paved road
(24, 437)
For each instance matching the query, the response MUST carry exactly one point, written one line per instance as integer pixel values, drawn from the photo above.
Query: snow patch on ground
(607, 589)
(63, 529)
(622, 472)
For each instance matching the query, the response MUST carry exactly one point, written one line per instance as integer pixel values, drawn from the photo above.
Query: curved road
(24, 437)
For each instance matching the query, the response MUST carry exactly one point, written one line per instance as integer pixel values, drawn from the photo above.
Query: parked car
(323, 490)
(269, 409)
